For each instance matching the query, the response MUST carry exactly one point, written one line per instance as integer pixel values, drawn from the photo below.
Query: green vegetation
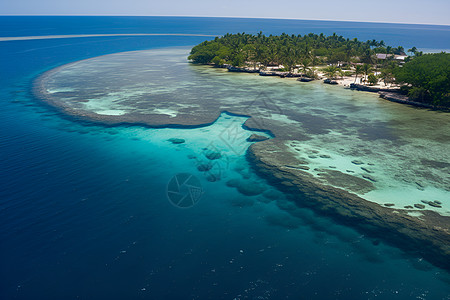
(372, 79)
(291, 51)
(427, 78)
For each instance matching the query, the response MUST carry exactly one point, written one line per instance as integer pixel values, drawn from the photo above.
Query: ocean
(90, 211)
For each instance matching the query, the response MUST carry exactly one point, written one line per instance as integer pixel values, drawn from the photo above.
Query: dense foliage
(427, 78)
(288, 50)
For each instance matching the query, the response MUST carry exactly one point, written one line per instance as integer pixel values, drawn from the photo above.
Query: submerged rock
(204, 167)
(256, 138)
(419, 184)
(249, 188)
(369, 178)
(430, 203)
(272, 194)
(246, 187)
(325, 156)
(176, 140)
(305, 79)
(366, 170)
(213, 178)
(232, 182)
(329, 81)
(213, 155)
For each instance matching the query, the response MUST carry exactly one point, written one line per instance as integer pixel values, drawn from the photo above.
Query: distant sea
(84, 212)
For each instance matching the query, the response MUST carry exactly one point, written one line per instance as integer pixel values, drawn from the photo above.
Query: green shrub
(430, 73)
(372, 79)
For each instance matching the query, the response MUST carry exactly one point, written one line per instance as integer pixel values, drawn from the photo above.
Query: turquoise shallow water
(84, 211)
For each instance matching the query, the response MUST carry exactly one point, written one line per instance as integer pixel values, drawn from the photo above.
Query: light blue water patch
(219, 148)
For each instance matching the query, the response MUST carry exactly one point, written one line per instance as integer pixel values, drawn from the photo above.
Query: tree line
(242, 49)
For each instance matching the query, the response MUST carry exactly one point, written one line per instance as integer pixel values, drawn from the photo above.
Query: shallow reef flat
(379, 166)
(336, 195)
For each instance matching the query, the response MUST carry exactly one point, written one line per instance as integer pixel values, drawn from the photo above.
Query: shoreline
(386, 93)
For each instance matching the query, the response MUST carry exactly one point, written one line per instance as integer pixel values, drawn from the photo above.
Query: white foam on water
(169, 112)
(60, 90)
(283, 119)
(110, 112)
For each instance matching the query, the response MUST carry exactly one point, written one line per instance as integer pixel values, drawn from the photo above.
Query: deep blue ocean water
(83, 207)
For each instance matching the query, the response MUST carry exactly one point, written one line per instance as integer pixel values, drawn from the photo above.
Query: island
(418, 79)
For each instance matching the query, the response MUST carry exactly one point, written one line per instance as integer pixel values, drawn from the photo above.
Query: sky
(390, 11)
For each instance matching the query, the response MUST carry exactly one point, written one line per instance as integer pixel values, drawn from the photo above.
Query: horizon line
(229, 17)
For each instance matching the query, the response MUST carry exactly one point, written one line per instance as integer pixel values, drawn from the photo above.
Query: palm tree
(358, 70)
(399, 50)
(261, 55)
(366, 69)
(272, 53)
(331, 71)
(367, 56)
(349, 51)
(305, 63)
(290, 57)
(413, 50)
(386, 76)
